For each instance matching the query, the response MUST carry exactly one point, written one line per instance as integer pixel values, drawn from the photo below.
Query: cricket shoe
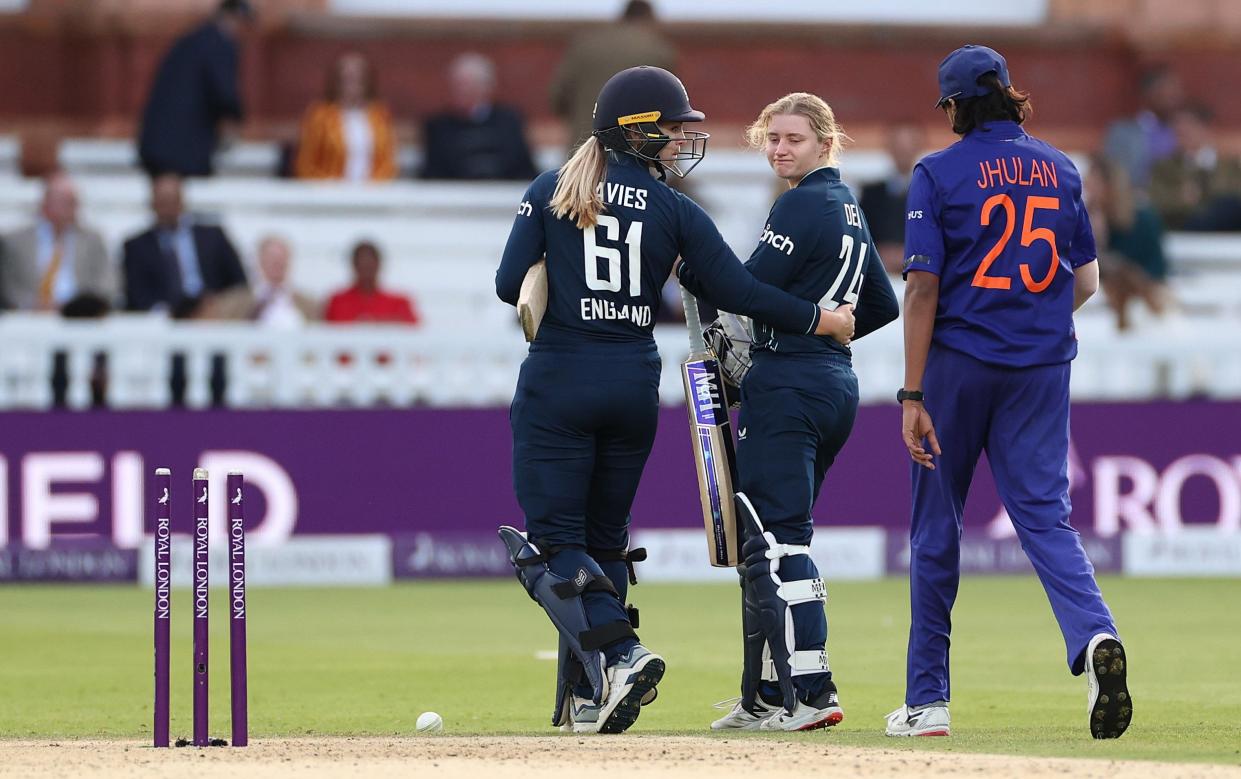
(630, 680)
(1109, 702)
(822, 712)
(930, 720)
(582, 714)
(741, 718)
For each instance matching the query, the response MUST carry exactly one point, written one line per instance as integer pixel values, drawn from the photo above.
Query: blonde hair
(577, 185)
(820, 115)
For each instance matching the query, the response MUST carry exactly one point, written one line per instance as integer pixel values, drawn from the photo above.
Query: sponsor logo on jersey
(525, 209)
(779, 242)
(913, 215)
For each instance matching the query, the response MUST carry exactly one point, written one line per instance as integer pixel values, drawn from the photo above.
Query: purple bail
(162, 510)
(237, 604)
(201, 634)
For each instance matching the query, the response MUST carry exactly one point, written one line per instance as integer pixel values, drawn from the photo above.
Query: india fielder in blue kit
(798, 403)
(999, 254)
(586, 404)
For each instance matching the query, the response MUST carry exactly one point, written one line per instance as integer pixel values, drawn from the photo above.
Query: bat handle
(697, 344)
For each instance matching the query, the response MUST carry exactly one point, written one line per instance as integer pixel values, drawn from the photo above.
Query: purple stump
(201, 737)
(237, 605)
(163, 600)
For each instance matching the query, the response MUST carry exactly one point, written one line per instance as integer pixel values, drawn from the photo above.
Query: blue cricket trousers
(1020, 418)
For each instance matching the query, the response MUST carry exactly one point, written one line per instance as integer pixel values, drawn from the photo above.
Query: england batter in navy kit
(586, 404)
(798, 403)
(999, 254)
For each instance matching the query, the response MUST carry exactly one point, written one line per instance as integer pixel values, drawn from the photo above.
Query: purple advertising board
(69, 476)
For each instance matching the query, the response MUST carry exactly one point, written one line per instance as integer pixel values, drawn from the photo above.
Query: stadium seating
(442, 242)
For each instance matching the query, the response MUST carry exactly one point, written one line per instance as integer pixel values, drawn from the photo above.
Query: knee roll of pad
(769, 602)
(581, 658)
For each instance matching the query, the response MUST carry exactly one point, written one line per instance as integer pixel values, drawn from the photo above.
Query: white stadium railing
(359, 366)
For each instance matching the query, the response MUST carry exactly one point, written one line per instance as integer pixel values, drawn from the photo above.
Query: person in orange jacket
(349, 134)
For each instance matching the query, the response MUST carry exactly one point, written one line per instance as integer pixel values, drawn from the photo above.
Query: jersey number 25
(1029, 234)
(594, 253)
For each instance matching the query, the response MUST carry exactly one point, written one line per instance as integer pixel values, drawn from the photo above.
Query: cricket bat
(532, 299)
(712, 438)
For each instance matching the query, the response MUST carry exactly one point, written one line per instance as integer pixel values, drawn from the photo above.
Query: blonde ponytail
(577, 185)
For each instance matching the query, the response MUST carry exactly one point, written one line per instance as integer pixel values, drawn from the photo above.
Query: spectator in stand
(1129, 240)
(1197, 188)
(883, 202)
(194, 96)
(177, 264)
(1139, 142)
(475, 138)
(274, 302)
(348, 135)
(56, 262)
(364, 301)
(598, 54)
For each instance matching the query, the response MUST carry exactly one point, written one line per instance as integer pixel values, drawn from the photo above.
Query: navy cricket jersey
(604, 282)
(816, 244)
(998, 216)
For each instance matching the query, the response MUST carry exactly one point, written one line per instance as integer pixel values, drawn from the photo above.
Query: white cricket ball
(429, 722)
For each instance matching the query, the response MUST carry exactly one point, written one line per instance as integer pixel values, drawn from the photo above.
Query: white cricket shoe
(922, 721)
(630, 681)
(822, 712)
(1108, 701)
(741, 718)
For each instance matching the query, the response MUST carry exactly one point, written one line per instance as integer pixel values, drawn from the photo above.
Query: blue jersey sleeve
(1082, 250)
(790, 236)
(527, 242)
(715, 272)
(924, 238)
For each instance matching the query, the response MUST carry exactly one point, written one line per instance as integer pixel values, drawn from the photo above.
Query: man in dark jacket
(195, 88)
(476, 138)
(177, 264)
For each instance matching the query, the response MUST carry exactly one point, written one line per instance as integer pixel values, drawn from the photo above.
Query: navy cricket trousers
(583, 420)
(797, 411)
(1020, 418)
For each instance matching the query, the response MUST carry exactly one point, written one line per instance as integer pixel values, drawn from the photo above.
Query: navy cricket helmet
(628, 112)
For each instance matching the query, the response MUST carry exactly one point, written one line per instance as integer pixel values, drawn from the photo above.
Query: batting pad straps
(597, 638)
(775, 549)
(628, 557)
(803, 662)
(803, 591)
(583, 582)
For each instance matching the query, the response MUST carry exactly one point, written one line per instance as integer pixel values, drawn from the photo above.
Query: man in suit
(55, 261)
(883, 202)
(177, 264)
(476, 138)
(195, 89)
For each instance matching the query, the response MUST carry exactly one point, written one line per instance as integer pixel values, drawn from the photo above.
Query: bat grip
(697, 344)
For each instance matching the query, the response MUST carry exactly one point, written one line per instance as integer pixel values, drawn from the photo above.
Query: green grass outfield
(76, 662)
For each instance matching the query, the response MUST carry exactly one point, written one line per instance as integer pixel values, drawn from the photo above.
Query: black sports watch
(904, 395)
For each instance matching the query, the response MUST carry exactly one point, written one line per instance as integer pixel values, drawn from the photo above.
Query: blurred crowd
(1157, 170)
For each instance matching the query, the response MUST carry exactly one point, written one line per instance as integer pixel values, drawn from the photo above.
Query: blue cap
(960, 71)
